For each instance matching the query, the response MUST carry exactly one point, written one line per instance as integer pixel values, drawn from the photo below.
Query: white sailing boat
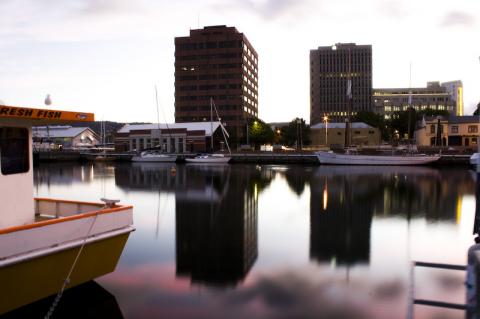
(213, 158)
(354, 158)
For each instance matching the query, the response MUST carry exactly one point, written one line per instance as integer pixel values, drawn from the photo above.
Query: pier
(306, 158)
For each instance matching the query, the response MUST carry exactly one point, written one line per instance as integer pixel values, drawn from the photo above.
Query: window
(454, 129)
(472, 129)
(14, 150)
(432, 129)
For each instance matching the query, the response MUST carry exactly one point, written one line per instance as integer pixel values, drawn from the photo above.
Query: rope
(67, 280)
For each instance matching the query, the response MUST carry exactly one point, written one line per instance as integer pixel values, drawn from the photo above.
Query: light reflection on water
(279, 241)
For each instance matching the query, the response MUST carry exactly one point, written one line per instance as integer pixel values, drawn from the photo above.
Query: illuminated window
(472, 129)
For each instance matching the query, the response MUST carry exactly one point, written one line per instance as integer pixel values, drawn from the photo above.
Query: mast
(409, 104)
(222, 128)
(211, 124)
(158, 120)
(349, 96)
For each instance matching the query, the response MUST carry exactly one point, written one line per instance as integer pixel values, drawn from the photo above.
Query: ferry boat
(49, 245)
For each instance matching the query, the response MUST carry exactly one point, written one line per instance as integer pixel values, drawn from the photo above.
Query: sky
(107, 56)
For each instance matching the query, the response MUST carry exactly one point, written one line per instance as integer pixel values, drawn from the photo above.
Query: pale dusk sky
(106, 56)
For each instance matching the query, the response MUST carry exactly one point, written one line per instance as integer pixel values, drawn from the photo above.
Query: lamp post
(325, 119)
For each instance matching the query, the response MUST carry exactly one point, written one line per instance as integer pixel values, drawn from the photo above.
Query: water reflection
(344, 201)
(280, 237)
(216, 223)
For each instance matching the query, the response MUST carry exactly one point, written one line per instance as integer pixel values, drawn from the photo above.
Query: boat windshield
(14, 152)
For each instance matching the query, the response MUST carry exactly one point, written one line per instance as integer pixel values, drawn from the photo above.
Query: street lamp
(325, 119)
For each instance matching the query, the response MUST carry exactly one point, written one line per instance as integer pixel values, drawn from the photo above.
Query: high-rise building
(216, 62)
(332, 68)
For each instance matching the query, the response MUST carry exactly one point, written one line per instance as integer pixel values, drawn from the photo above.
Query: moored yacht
(49, 245)
(354, 158)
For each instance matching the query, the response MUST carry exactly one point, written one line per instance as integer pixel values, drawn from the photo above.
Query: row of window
(208, 56)
(207, 97)
(209, 45)
(209, 77)
(209, 87)
(210, 66)
(453, 129)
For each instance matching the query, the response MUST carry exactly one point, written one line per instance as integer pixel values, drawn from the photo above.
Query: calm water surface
(246, 241)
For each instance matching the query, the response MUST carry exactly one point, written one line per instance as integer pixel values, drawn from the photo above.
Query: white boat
(49, 245)
(154, 156)
(213, 158)
(216, 158)
(474, 159)
(359, 159)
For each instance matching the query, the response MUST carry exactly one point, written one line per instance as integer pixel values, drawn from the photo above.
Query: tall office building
(332, 68)
(216, 62)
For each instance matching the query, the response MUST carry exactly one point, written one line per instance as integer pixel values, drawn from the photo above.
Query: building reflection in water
(216, 226)
(344, 201)
(216, 215)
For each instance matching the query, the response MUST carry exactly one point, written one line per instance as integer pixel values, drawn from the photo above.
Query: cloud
(272, 9)
(393, 9)
(458, 18)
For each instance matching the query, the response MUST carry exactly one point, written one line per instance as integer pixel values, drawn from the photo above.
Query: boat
(213, 158)
(49, 245)
(474, 159)
(354, 158)
(154, 156)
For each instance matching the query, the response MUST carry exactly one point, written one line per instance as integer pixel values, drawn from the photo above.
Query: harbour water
(279, 241)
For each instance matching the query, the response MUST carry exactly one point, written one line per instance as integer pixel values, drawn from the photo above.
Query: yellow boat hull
(37, 278)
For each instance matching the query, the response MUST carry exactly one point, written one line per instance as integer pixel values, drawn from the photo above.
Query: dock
(304, 158)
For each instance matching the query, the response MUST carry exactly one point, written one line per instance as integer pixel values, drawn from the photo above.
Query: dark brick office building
(217, 62)
(330, 69)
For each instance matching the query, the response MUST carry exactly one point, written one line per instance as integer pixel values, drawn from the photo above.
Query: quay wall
(307, 158)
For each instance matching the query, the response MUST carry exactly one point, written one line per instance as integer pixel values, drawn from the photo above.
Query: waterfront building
(455, 89)
(63, 136)
(216, 62)
(332, 68)
(448, 131)
(171, 138)
(334, 134)
(434, 96)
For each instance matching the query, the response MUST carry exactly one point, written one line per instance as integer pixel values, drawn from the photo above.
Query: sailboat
(213, 158)
(102, 155)
(155, 155)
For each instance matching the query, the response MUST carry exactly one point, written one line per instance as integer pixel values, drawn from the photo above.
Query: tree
(259, 133)
(477, 109)
(296, 133)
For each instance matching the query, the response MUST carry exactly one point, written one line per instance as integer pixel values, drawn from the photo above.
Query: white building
(171, 138)
(63, 137)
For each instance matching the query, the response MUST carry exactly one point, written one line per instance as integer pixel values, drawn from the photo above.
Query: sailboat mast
(211, 124)
(221, 127)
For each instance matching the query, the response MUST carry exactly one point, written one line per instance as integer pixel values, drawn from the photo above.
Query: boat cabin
(16, 163)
